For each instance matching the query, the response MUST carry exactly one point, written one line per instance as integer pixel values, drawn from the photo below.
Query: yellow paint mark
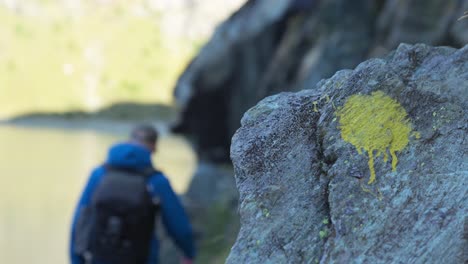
(375, 123)
(315, 106)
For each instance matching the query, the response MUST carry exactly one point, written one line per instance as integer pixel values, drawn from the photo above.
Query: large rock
(289, 45)
(304, 164)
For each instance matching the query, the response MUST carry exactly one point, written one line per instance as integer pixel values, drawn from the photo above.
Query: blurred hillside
(84, 55)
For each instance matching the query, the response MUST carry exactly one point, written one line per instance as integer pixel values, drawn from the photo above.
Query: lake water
(43, 167)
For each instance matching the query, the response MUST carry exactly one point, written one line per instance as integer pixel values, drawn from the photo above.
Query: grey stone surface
(304, 192)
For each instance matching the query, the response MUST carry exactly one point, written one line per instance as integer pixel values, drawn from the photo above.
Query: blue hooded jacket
(174, 218)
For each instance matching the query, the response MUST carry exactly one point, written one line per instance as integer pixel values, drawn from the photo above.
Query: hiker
(114, 222)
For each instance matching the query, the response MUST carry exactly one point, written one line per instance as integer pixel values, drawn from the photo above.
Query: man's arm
(84, 201)
(173, 215)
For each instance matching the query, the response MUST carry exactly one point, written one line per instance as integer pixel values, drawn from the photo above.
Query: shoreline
(116, 119)
(99, 124)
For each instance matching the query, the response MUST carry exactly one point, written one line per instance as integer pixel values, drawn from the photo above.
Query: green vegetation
(323, 234)
(221, 225)
(54, 59)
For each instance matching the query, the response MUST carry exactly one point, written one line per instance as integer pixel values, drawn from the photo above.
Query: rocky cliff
(269, 46)
(371, 166)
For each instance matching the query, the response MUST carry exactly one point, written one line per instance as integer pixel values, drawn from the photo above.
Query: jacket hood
(129, 156)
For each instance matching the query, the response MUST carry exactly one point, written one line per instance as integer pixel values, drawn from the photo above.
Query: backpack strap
(150, 171)
(147, 172)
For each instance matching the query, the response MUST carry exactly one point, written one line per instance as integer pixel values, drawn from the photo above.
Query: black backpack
(118, 225)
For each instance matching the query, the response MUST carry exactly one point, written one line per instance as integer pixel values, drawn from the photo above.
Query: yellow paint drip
(315, 106)
(375, 123)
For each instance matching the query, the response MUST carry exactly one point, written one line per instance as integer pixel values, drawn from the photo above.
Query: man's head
(145, 135)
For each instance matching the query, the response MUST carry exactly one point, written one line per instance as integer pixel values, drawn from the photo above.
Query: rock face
(270, 46)
(303, 162)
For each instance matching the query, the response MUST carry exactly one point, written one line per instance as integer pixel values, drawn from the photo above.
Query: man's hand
(186, 261)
